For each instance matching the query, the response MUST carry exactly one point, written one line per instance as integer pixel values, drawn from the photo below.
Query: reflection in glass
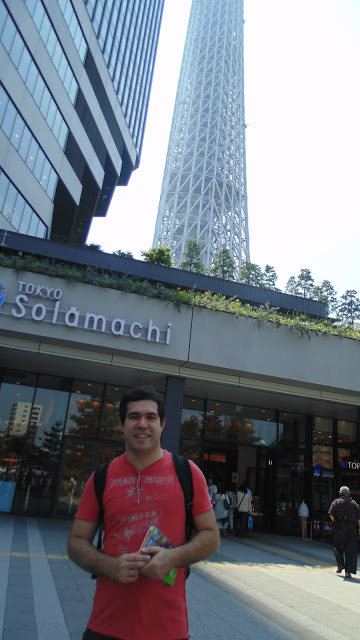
(192, 424)
(76, 471)
(322, 444)
(84, 409)
(248, 425)
(109, 424)
(35, 431)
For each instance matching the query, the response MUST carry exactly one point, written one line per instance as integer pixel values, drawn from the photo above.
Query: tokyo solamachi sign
(42, 303)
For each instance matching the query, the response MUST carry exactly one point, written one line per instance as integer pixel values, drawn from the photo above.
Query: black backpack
(183, 471)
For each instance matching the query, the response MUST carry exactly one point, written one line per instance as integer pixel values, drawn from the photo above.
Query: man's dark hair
(141, 393)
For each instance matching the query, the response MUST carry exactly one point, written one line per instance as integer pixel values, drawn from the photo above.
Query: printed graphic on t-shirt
(132, 499)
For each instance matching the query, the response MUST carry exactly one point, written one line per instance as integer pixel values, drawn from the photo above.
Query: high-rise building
(74, 92)
(203, 193)
(22, 415)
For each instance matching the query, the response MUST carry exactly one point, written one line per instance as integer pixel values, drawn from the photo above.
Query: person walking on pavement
(242, 510)
(142, 489)
(303, 516)
(345, 514)
(212, 488)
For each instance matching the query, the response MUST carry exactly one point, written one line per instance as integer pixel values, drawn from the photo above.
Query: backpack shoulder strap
(99, 487)
(183, 471)
(100, 475)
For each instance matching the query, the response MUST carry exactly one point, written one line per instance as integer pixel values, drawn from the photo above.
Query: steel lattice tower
(203, 193)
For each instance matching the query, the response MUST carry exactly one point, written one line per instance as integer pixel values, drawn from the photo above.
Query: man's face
(142, 427)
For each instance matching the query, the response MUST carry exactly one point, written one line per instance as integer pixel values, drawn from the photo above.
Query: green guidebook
(155, 538)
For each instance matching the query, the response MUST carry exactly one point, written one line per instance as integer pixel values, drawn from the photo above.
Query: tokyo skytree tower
(203, 192)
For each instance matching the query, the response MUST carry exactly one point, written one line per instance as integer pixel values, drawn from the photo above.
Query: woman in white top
(221, 513)
(303, 516)
(242, 510)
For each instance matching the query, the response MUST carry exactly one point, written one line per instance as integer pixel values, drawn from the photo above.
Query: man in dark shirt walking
(345, 514)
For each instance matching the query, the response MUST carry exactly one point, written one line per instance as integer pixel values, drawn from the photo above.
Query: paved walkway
(264, 587)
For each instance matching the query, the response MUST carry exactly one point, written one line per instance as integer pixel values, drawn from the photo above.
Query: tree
(92, 245)
(326, 293)
(348, 309)
(305, 283)
(123, 254)
(252, 274)
(158, 255)
(269, 277)
(52, 441)
(192, 257)
(290, 286)
(223, 265)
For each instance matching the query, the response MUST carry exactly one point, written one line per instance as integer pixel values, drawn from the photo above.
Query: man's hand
(160, 564)
(123, 569)
(126, 568)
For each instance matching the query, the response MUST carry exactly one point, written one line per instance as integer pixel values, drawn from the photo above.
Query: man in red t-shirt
(142, 489)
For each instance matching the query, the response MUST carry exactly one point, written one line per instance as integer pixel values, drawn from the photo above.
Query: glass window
(32, 153)
(73, 90)
(32, 77)
(322, 444)
(26, 219)
(4, 185)
(16, 394)
(17, 131)
(9, 119)
(56, 57)
(24, 64)
(63, 134)
(192, 425)
(18, 211)
(45, 103)
(63, 67)
(34, 223)
(109, 423)
(3, 104)
(51, 44)
(42, 230)
(52, 182)
(39, 90)
(17, 49)
(57, 124)
(44, 178)
(84, 409)
(25, 143)
(3, 16)
(9, 205)
(347, 443)
(50, 118)
(8, 34)
(39, 165)
(249, 425)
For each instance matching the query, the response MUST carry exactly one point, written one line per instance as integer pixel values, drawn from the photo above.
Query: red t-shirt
(134, 501)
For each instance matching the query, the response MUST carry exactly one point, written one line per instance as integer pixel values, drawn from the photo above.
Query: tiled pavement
(264, 588)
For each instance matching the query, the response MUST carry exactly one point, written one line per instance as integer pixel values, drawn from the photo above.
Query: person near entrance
(142, 489)
(242, 510)
(345, 514)
(212, 488)
(303, 514)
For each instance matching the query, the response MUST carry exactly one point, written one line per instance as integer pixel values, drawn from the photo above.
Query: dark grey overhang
(169, 276)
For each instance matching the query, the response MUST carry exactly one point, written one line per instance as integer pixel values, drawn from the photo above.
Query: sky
(302, 110)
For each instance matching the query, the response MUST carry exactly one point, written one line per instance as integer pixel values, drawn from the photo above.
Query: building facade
(243, 401)
(204, 193)
(74, 92)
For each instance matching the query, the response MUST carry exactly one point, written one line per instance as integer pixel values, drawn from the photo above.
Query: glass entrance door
(78, 462)
(80, 458)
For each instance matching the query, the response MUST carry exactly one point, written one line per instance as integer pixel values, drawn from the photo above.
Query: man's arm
(203, 544)
(81, 550)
